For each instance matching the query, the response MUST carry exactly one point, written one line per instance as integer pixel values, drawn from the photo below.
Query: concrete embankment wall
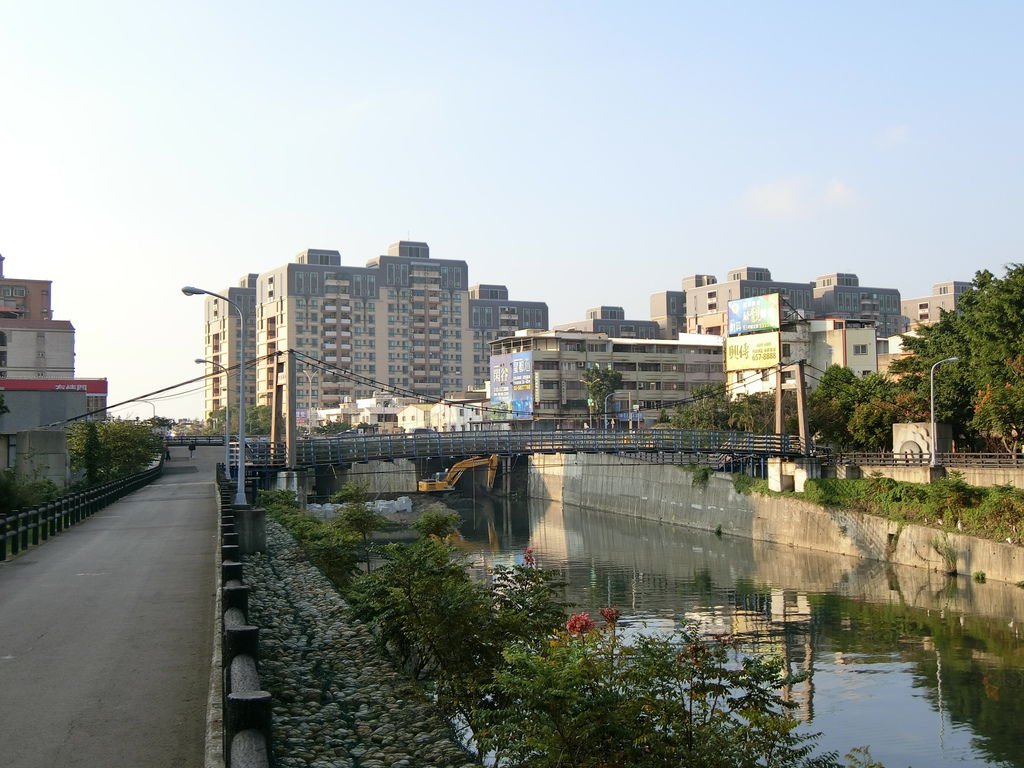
(667, 494)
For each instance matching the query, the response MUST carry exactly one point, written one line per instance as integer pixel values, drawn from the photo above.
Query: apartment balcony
(330, 307)
(345, 346)
(331, 334)
(330, 346)
(330, 358)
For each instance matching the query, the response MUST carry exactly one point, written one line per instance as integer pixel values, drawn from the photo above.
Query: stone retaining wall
(337, 702)
(667, 493)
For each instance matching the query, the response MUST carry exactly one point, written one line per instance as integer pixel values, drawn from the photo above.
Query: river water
(926, 670)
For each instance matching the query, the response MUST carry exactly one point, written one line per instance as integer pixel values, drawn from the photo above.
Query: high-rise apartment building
(837, 295)
(840, 295)
(613, 322)
(405, 321)
(707, 300)
(927, 310)
(668, 310)
(222, 335)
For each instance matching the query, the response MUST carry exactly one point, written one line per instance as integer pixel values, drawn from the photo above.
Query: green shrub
(437, 521)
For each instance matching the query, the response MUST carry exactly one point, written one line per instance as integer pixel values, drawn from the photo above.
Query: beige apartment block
(222, 336)
(836, 295)
(927, 310)
(820, 343)
(656, 374)
(404, 322)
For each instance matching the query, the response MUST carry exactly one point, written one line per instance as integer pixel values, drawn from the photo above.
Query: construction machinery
(445, 481)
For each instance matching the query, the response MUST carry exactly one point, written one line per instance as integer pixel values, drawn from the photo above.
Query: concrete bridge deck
(106, 631)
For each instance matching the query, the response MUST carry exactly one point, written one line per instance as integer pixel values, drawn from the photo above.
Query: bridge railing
(31, 527)
(909, 459)
(342, 449)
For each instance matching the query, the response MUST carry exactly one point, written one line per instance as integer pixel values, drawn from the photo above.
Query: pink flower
(579, 624)
(528, 557)
(611, 614)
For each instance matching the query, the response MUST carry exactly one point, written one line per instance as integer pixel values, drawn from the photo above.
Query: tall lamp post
(309, 402)
(189, 290)
(150, 405)
(605, 409)
(227, 422)
(931, 381)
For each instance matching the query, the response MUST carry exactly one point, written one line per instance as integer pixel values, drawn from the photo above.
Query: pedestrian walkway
(106, 631)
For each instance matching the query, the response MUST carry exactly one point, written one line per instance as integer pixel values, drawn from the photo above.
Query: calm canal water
(927, 671)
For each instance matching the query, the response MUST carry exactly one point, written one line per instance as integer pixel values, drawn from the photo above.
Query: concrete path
(106, 631)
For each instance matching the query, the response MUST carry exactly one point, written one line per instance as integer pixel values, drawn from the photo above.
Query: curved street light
(189, 290)
(607, 419)
(931, 380)
(227, 423)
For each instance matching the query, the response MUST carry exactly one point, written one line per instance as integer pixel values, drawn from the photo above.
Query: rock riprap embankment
(337, 701)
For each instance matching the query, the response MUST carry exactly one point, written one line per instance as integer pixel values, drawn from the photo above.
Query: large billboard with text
(752, 352)
(512, 385)
(753, 315)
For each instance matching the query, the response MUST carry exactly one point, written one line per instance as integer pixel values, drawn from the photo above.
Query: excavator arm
(448, 482)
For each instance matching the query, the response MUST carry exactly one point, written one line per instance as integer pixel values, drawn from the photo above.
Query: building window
(860, 349)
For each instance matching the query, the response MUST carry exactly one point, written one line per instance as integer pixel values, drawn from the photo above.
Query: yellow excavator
(445, 481)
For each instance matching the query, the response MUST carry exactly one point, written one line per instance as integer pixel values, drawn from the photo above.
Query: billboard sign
(512, 385)
(752, 352)
(753, 315)
(89, 386)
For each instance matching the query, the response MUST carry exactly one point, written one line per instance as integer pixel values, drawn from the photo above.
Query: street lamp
(309, 402)
(931, 380)
(227, 423)
(189, 290)
(606, 419)
(150, 405)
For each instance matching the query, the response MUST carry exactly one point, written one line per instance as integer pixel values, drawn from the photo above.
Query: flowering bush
(579, 624)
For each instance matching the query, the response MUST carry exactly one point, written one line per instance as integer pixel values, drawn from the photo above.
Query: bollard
(229, 539)
(230, 552)
(230, 571)
(246, 710)
(23, 518)
(242, 640)
(34, 525)
(236, 597)
(3, 537)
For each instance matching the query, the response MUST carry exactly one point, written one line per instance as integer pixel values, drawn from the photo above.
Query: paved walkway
(106, 631)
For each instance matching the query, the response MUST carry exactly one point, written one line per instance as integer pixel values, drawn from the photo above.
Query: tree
(437, 521)
(588, 700)
(600, 383)
(257, 420)
(982, 395)
(332, 428)
(356, 517)
(106, 450)
(753, 413)
(708, 409)
(852, 412)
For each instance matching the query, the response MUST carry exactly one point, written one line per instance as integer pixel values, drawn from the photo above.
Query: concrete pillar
(780, 474)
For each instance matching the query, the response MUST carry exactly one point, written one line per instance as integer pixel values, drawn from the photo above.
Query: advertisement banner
(512, 385)
(89, 386)
(758, 313)
(752, 352)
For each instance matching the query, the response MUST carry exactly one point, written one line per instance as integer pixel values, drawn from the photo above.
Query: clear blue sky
(581, 153)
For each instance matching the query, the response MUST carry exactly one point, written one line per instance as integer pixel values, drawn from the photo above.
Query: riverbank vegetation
(537, 688)
(949, 503)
